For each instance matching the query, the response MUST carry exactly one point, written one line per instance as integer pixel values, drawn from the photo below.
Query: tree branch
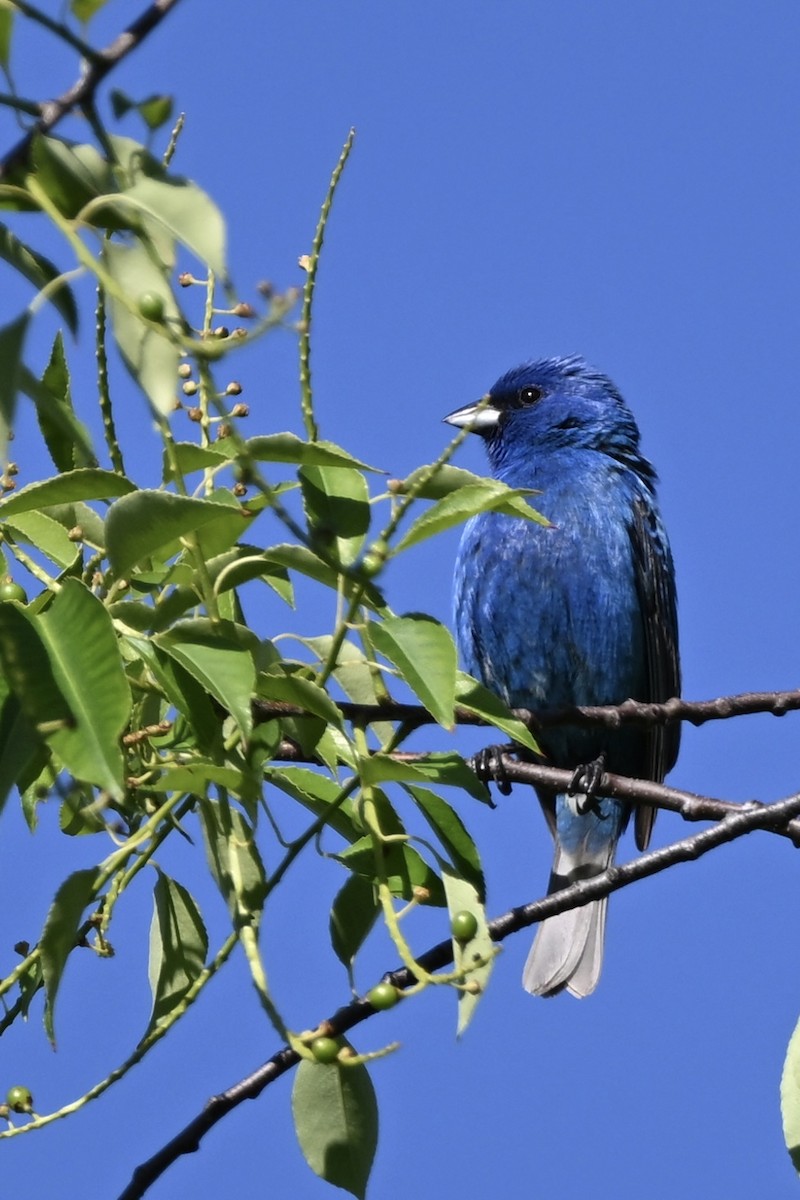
(93, 73)
(776, 816)
(630, 712)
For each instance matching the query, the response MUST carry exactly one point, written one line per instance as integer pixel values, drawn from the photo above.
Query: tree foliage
(135, 688)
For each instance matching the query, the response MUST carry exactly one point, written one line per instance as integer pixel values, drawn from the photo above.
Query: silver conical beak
(480, 417)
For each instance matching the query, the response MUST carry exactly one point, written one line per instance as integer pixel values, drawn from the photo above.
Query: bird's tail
(567, 951)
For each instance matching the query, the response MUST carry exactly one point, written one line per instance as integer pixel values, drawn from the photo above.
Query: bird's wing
(655, 583)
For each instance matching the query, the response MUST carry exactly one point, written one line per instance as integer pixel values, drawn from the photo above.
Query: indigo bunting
(580, 612)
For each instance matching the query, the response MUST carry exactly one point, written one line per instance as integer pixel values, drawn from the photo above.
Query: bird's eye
(529, 395)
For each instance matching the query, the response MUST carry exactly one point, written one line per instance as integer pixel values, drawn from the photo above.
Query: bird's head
(551, 404)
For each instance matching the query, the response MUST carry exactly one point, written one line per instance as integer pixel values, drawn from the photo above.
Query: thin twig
(95, 69)
(630, 712)
(749, 818)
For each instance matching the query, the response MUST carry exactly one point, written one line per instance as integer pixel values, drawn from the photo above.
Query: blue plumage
(582, 612)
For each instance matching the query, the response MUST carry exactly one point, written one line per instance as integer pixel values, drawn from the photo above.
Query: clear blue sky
(619, 180)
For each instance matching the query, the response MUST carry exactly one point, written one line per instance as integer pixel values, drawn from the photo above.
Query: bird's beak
(479, 417)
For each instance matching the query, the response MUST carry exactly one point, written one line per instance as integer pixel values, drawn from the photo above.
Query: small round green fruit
(325, 1049)
(383, 996)
(9, 590)
(151, 306)
(464, 926)
(19, 1099)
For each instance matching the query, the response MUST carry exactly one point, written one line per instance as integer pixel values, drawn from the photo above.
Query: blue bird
(580, 612)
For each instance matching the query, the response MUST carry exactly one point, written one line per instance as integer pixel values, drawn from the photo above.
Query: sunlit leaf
(453, 836)
(490, 495)
(425, 655)
(234, 860)
(86, 483)
(72, 688)
(149, 354)
(72, 175)
(89, 674)
(408, 875)
(462, 897)
(289, 448)
(41, 531)
(213, 654)
(302, 692)
(139, 525)
(478, 699)
(182, 209)
(336, 502)
(320, 794)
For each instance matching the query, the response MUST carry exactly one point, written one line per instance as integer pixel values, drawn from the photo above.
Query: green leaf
(299, 558)
(59, 935)
(462, 897)
(304, 693)
(406, 869)
(446, 479)
(186, 693)
(86, 483)
(12, 340)
(425, 655)
(148, 352)
(71, 175)
(451, 832)
(214, 656)
(437, 768)
(234, 859)
(790, 1098)
(34, 267)
(289, 448)
(79, 517)
(6, 29)
(20, 746)
(178, 947)
(182, 209)
(336, 1121)
(47, 535)
(140, 524)
(336, 503)
(353, 915)
(84, 655)
(195, 775)
(318, 793)
(84, 10)
(478, 699)
(64, 667)
(154, 111)
(67, 438)
(488, 496)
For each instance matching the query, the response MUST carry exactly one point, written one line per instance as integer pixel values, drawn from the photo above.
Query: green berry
(464, 926)
(383, 996)
(9, 590)
(19, 1100)
(325, 1049)
(151, 306)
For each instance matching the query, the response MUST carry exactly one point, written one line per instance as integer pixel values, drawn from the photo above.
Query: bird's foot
(585, 782)
(489, 765)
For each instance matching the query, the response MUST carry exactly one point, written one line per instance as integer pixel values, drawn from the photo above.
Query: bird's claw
(585, 782)
(489, 765)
